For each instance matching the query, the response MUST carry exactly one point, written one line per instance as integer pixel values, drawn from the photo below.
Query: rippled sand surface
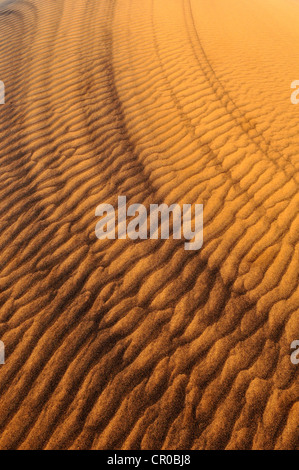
(122, 344)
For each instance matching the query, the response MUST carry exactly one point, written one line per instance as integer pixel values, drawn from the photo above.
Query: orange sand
(140, 344)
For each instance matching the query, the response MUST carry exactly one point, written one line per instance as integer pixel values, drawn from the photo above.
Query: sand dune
(122, 344)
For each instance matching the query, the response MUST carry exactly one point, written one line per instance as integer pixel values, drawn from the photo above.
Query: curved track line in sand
(122, 344)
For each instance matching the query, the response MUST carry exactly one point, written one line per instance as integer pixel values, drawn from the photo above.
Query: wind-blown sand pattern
(122, 344)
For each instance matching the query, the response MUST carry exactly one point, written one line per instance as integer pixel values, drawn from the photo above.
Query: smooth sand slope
(140, 344)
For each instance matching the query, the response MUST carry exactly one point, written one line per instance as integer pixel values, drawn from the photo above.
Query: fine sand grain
(122, 344)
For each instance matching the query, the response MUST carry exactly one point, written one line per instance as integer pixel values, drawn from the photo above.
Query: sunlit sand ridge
(121, 344)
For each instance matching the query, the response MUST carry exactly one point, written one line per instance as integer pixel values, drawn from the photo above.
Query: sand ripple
(128, 345)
